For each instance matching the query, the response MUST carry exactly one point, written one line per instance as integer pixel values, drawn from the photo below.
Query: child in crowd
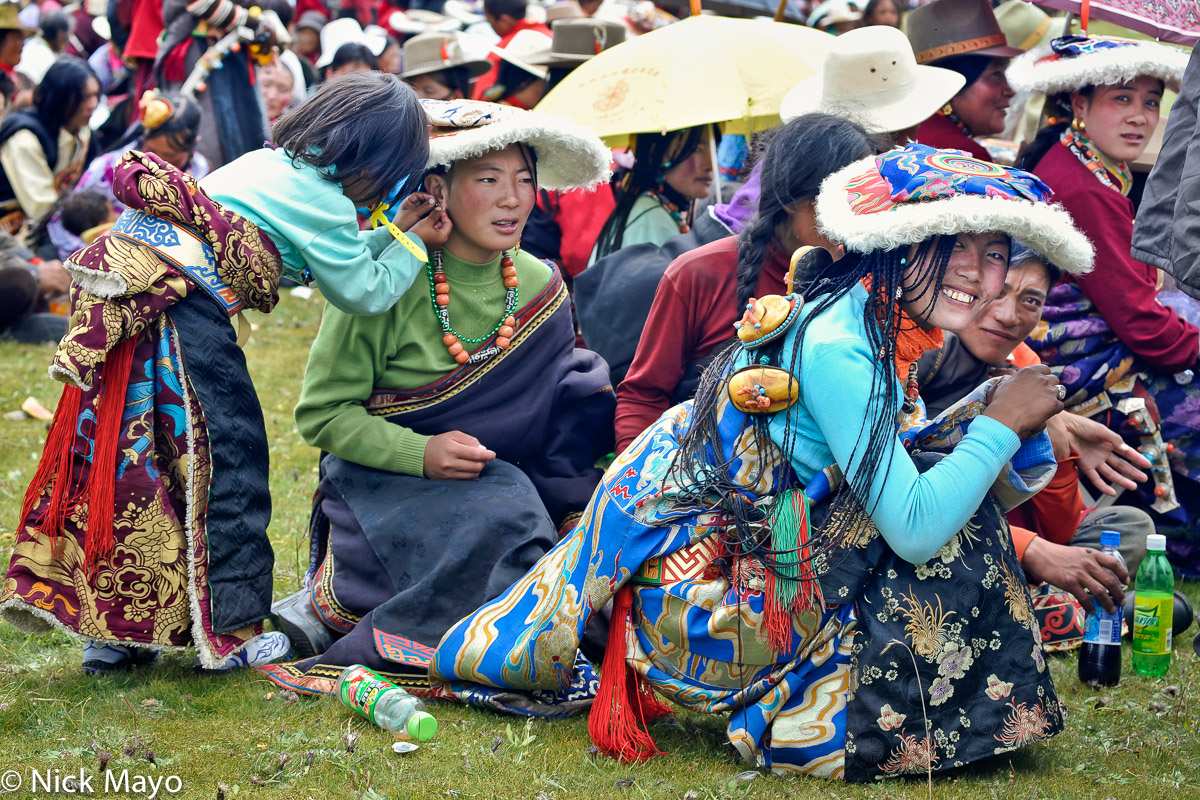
(145, 524)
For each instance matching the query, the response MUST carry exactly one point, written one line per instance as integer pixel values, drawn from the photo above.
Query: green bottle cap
(422, 726)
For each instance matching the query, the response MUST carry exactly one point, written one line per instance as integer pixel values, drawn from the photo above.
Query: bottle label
(362, 689)
(1151, 625)
(1103, 628)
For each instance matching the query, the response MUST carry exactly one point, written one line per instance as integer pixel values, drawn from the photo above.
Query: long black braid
(800, 156)
(702, 471)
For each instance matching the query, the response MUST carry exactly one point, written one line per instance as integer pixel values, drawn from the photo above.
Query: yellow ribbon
(378, 217)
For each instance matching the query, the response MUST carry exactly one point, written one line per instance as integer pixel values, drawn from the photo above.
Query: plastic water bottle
(1100, 656)
(1153, 609)
(385, 703)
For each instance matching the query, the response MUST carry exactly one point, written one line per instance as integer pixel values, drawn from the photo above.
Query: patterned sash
(184, 248)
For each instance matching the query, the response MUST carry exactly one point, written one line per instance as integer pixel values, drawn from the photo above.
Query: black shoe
(135, 657)
(295, 616)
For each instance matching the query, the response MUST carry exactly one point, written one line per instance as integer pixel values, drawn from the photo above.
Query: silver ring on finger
(1062, 392)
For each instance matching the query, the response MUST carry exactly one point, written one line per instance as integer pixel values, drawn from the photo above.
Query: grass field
(235, 736)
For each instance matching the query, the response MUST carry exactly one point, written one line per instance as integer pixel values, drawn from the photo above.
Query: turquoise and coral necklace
(439, 295)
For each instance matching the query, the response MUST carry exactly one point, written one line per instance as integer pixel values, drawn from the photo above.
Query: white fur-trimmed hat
(1072, 62)
(913, 193)
(569, 156)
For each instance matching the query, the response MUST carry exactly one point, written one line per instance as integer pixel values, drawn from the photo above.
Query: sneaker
(294, 615)
(262, 649)
(102, 659)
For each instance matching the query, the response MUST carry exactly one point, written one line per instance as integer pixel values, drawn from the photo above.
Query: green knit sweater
(398, 349)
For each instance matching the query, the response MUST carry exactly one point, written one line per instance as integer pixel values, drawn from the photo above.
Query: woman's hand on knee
(1086, 573)
(1026, 400)
(455, 456)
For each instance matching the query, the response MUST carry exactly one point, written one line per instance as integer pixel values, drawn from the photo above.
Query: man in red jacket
(507, 18)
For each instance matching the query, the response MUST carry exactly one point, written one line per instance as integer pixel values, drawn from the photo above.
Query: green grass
(240, 733)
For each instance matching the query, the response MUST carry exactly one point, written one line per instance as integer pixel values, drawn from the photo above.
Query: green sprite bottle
(1154, 605)
(385, 703)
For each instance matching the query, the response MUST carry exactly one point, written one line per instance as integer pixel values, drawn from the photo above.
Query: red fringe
(101, 484)
(809, 595)
(777, 620)
(55, 465)
(624, 703)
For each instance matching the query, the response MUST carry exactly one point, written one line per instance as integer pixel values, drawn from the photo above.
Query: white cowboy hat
(1072, 62)
(569, 156)
(913, 193)
(528, 49)
(345, 31)
(871, 76)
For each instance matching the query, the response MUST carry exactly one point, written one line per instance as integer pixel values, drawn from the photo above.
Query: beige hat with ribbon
(434, 52)
(577, 40)
(1025, 25)
(871, 76)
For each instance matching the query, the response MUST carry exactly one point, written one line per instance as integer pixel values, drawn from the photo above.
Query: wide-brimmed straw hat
(910, 194)
(569, 156)
(11, 21)
(576, 40)
(947, 28)
(346, 31)
(1072, 62)
(527, 49)
(434, 52)
(870, 76)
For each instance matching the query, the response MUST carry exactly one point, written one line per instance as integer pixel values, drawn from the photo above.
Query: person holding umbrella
(870, 79)
(654, 199)
(963, 35)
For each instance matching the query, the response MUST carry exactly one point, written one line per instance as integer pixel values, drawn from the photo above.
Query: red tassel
(101, 483)
(55, 465)
(777, 620)
(623, 704)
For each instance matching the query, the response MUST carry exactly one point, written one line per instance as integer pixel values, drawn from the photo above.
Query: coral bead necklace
(439, 294)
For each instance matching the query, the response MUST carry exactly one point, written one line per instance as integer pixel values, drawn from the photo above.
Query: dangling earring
(1078, 125)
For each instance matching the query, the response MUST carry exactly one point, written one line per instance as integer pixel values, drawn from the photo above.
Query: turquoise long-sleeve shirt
(917, 513)
(314, 225)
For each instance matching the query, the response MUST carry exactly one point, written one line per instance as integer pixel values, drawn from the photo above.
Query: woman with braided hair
(853, 627)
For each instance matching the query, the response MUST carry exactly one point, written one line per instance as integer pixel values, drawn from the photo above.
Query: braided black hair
(799, 157)
(702, 469)
(654, 154)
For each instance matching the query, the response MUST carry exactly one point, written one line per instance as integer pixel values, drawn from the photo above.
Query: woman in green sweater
(462, 426)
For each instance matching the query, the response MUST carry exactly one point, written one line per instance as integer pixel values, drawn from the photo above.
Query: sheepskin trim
(97, 282)
(1046, 227)
(1098, 68)
(64, 375)
(569, 155)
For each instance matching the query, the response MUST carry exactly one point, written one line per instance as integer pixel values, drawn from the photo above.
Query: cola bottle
(1100, 656)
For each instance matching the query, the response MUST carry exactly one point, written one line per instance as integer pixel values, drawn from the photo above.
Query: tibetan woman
(462, 427)
(797, 548)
